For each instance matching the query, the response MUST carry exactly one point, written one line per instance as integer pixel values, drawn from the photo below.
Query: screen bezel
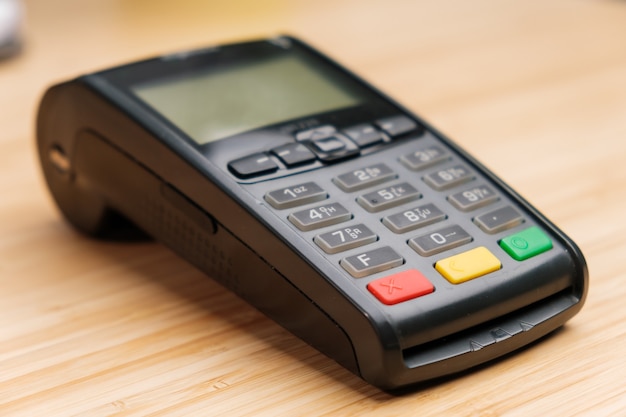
(371, 106)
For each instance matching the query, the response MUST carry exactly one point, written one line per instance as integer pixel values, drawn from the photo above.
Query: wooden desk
(535, 89)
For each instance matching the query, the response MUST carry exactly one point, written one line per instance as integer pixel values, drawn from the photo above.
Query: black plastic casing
(104, 153)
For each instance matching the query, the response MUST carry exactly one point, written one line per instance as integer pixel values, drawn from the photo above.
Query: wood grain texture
(535, 89)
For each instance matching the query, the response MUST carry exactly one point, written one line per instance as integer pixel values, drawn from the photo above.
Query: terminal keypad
(434, 203)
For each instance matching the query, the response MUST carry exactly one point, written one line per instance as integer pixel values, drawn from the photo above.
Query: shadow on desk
(156, 266)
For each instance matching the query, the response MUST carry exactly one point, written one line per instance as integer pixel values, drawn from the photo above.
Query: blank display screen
(216, 104)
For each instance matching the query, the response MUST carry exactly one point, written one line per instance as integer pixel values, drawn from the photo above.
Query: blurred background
(452, 61)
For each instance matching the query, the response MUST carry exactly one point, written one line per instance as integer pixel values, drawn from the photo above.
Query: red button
(394, 289)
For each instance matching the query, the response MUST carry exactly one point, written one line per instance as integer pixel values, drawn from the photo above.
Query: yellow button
(468, 265)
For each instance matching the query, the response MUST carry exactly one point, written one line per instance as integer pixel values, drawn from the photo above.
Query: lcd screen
(216, 104)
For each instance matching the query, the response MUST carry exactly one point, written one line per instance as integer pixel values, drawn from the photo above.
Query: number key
(440, 240)
(320, 216)
(424, 158)
(364, 177)
(473, 198)
(449, 177)
(296, 195)
(414, 218)
(388, 197)
(346, 238)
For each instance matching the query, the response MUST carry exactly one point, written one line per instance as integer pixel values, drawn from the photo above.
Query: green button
(526, 244)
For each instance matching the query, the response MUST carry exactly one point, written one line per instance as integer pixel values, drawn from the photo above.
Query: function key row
(457, 269)
(323, 143)
(410, 284)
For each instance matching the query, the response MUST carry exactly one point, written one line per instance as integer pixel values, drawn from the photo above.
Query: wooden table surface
(535, 89)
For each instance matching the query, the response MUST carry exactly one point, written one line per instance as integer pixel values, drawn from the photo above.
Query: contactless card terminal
(323, 203)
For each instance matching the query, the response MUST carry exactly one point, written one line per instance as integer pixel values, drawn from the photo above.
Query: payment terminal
(322, 202)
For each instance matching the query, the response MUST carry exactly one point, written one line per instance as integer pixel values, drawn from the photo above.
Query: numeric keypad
(370, 250)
